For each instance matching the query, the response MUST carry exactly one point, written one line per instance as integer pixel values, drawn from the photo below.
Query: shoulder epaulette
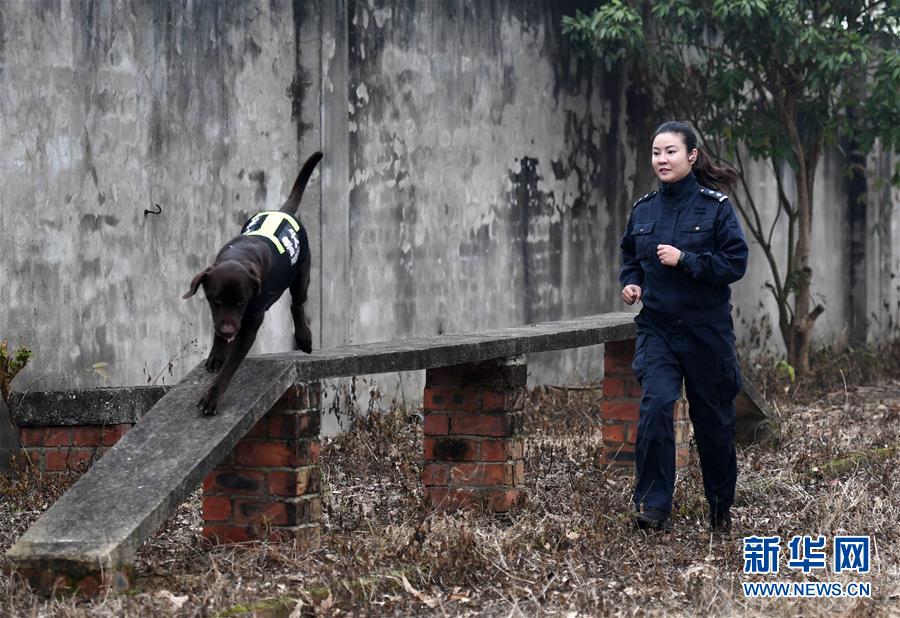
(716, 195)
(644, 198)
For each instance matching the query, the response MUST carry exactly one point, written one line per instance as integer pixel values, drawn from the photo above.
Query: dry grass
(567, 550)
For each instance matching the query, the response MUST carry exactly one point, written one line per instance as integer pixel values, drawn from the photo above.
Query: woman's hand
(631, 293)
(668, 255)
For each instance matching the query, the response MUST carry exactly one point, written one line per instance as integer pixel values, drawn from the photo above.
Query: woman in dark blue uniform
(682, 249)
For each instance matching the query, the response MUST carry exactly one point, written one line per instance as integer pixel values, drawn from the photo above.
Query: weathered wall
(107, 108)
(489, 172)
(476, 175)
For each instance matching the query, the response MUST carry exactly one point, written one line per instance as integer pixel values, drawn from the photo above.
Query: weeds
(568, 548)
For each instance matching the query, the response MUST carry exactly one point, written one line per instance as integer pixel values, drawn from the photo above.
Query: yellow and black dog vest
(288, 242)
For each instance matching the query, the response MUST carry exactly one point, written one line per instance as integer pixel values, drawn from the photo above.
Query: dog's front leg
(217, 355)
(236, 353)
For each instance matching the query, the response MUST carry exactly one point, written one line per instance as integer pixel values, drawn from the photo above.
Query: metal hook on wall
(158, 211)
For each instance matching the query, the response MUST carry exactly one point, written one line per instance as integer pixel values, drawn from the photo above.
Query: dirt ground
(568, 549)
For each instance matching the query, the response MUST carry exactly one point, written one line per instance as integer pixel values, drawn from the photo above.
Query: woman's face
(671, 159)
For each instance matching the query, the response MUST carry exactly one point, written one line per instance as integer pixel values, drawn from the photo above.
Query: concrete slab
(452, 349)
(94, 406)
(102, 520)
(755, 417)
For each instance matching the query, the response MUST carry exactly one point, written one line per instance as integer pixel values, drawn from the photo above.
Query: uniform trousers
(703, 357)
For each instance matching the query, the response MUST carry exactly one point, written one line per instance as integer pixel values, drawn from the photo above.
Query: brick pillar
(268, 486)
(473, 448)
(620, 409)
(56, 449)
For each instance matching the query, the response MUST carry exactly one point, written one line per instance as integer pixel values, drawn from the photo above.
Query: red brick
(633, 388)
(614, 386)
(620, 410)
(502, 501)
(493, 373)
(515, 472)
(435, 474)
(450, 449)
(259, 430)
(299, 397)
(68, 458)
(631, 437)
(497, 401)
(615, 432)
(617, 357)
(507, 400)
(493, 450)
(45, 436)
(445, 376)
(113, 433)
(258, 454)
(294, 425)
(276, 454)
(308, 452)
(294, 483)
(621, 385)
(455, 399)
(501, 450)
(226, 534)
(235, 481)
(32, 457)
(216, 508)
(87, 435)
(261, 512)
(481, 424)
(436, 424)
(484, 474)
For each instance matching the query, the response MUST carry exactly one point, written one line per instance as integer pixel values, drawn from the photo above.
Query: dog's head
(230, 287)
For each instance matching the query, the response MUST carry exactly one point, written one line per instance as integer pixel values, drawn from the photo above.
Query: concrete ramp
(98, 525)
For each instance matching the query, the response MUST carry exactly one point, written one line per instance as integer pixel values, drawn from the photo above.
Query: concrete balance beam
(99, 524)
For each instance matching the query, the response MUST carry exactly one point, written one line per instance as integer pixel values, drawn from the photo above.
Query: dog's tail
(293, 200)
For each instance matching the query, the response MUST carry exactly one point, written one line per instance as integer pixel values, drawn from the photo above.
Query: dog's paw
(214, 363)
(303, 339)
(209, 402)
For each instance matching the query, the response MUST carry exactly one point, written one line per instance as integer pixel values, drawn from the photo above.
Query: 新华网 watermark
(807, 553)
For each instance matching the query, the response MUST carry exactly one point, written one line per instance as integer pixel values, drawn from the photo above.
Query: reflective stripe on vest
(272, 221)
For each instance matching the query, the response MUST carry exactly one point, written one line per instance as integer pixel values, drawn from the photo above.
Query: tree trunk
(804, 317)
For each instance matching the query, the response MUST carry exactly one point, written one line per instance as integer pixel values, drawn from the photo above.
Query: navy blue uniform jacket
(702, 224)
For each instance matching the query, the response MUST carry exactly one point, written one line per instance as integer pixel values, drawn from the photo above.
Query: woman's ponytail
(719, 177)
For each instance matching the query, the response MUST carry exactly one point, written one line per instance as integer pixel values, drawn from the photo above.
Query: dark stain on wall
(301, 81)
(531, 216)
(259, 177)
(2, 40)
(93, 222)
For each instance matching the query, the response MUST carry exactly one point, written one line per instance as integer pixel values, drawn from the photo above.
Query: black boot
(653, 519)
(720, 522)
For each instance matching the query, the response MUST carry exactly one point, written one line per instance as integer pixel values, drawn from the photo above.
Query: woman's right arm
(631, 272)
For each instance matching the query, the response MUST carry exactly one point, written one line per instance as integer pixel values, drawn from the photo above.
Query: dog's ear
(198, 279)
(255, 277)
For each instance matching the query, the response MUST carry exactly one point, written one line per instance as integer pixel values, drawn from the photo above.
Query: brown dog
(249, 274)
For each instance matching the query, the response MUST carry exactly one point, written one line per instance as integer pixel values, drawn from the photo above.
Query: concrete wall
(476, 175)
(108, 108)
